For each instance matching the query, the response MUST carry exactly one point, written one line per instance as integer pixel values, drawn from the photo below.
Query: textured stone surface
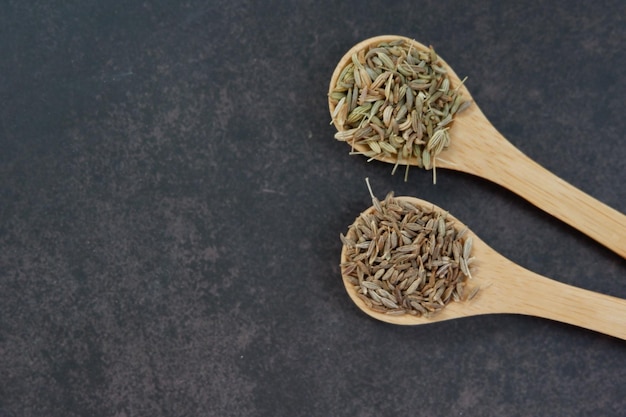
(171, 199)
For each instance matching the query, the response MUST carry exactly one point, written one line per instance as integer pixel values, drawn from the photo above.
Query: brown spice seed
(417, 274)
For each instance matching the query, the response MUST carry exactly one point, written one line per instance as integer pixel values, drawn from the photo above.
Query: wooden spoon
(477, 148)
(505, 287)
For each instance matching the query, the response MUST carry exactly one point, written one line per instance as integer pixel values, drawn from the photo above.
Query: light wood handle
(525, 292)
(501, 162)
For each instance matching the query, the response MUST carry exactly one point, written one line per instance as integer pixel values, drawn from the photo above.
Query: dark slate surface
(171, 198)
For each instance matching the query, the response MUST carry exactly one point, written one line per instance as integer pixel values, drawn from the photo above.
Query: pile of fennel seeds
(407, 259)
(397, 102)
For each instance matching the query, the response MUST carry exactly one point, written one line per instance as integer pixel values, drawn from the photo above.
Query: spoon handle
(520, 291)
(506, 165)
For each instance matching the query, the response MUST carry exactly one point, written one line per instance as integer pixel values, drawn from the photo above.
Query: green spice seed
(406, 94)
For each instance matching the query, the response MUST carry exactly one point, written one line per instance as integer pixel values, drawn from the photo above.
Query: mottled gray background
(171, 198)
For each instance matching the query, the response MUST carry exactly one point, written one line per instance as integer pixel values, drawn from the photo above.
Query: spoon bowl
(507, 288)
(477, 148)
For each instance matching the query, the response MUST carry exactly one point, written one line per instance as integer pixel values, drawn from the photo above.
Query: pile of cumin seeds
(406, 259)
(396, 101)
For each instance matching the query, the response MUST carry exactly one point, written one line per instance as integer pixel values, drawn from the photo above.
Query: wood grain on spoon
(477, 148)
(506, 287)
